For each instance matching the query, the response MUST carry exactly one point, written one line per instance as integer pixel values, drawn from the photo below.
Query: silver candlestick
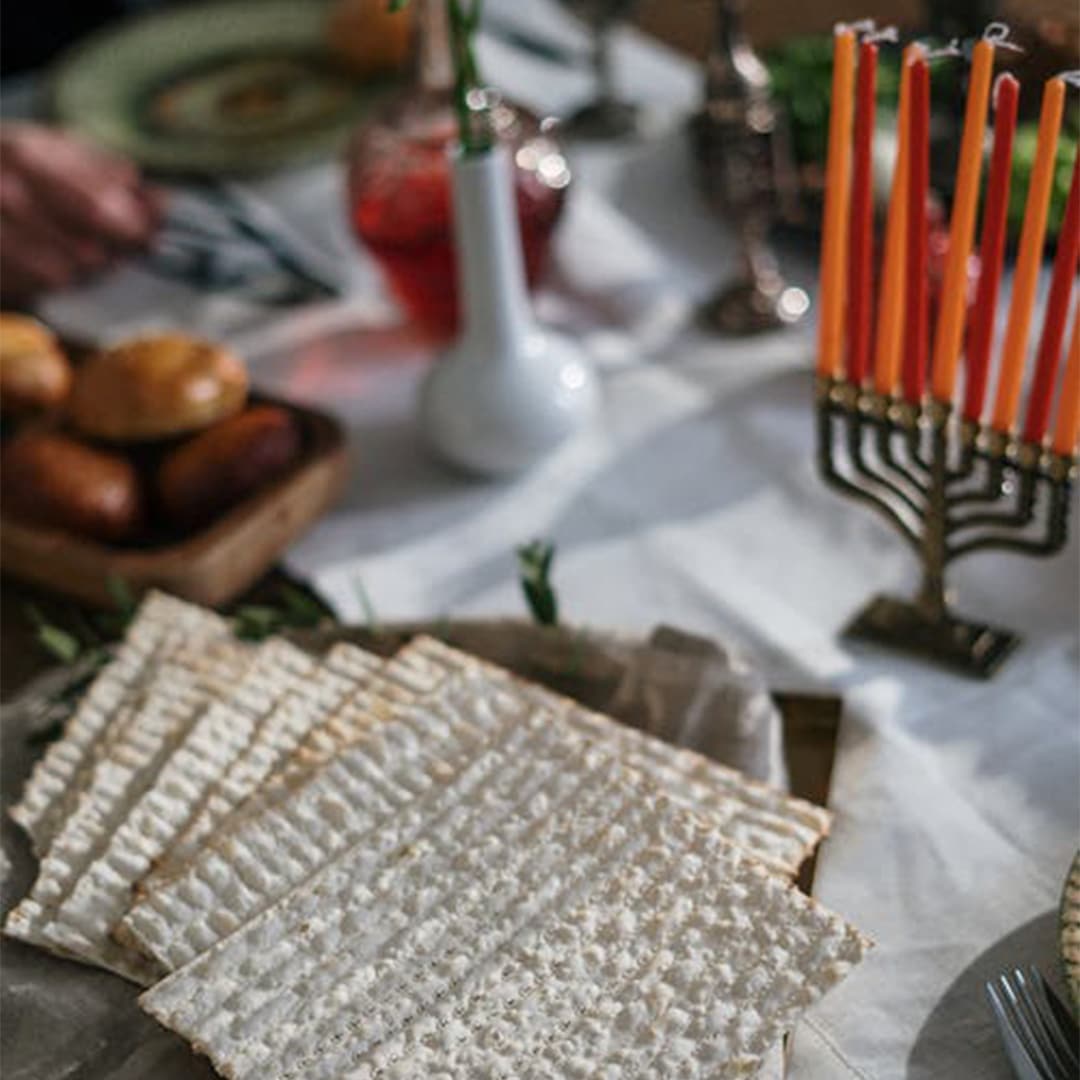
(747, 174)
(607, 116)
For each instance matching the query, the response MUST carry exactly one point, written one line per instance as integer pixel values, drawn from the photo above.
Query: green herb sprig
(295, 609)
(471, 107)
(76, 637)
(534, 567)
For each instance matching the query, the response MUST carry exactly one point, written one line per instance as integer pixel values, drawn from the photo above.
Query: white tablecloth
(694, 500)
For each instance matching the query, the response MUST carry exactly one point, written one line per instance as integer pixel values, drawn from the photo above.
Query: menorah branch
(1054, 522)
(893, 485)
(831, 414)
(892, 420)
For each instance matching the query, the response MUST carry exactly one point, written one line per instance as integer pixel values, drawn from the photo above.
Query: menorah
(948, 482)
(950, 488)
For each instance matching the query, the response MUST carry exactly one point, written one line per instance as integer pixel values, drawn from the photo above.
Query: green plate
(237, 86)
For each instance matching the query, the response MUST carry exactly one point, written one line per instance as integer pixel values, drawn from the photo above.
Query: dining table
(694, 499)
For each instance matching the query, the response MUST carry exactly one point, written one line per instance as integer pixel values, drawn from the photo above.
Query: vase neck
(491, 270)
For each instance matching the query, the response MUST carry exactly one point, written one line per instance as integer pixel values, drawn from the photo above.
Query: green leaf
(59, 643)
(371, 620)
(255, 622)
(444, 629)
(396, 5)
(534, 568)
(122, 596)
(301, 608)
(34, 615)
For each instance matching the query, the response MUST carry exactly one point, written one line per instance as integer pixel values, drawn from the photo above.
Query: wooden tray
(209, 567)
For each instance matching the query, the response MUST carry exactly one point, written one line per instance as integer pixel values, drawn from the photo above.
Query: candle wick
(886, 33)
(997, 33)
(951, 50)
(862, 27)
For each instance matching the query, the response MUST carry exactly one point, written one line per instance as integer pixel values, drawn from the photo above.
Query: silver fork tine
(1062, 1038)
(1015, 1049)
(1023, 1026)
(1045, 1033)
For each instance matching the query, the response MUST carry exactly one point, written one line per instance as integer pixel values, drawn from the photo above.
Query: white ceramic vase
(506, 393)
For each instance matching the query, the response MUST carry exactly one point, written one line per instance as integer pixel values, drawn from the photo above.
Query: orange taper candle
(1028, 258)
(950, 325)
(833, 286)
(1068, 410)
(888, 346)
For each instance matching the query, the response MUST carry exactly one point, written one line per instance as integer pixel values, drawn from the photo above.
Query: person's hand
(66, 209)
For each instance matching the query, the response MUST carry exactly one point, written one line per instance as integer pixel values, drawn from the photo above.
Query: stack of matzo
(419, 867)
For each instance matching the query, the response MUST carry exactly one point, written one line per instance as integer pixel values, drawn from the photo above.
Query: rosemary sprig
(371, 618)
(534, 568)
(292, 609)
(59, 643)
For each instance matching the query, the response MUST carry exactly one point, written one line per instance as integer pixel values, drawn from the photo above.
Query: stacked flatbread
(418, 867)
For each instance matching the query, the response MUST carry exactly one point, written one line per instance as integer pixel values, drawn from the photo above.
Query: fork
(1039, 1035)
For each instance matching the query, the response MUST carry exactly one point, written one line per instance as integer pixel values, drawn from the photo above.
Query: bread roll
(35, 375)
(155, 387)
(54, 480)
(368, 37)
(223, 466)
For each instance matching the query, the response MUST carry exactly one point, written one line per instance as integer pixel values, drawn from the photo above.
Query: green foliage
(74, 637)
(56, 641)
(1027, 136)
(801, 72)
(371, 619)
(291, 608)
(534, 568)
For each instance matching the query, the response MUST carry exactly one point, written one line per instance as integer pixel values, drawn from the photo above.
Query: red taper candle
(1057, 315)
(916, 329)
(991, 248)
(861, 252)
(1067, 423)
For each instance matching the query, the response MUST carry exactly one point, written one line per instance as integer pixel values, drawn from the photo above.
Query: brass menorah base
(971, 647)
(949, 488)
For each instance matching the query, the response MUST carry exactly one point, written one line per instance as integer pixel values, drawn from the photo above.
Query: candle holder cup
(950, 487)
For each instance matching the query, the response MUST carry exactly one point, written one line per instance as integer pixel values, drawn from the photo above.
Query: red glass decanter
(399, 181)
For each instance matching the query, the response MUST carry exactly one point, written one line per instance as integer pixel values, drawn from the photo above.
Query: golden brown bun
(54, 480)
(35, 375)
(223, 466)
(153, 387)
(368, 37)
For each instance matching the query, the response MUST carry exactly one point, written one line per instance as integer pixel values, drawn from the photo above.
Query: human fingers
(88, 193)
(38, 145)
(19, 206)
